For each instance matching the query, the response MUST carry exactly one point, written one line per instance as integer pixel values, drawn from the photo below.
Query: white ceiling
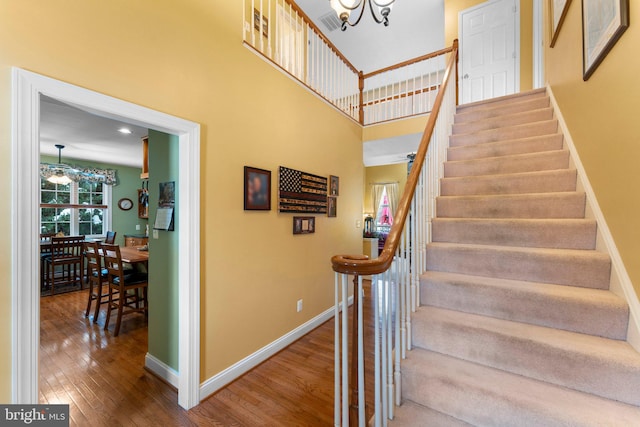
(415, 27)
(87, 136)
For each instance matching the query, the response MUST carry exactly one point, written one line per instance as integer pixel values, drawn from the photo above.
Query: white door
(489, 50)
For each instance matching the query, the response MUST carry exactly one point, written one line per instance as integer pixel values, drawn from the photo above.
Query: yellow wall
(387, 173)
(395, 128)
(453, 7)
(186, 59)
(602, 116)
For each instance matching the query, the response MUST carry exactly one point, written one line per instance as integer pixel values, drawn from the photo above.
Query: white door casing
(489, 50)
(25, 149)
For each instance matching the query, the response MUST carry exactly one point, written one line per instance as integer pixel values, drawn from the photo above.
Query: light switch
(155, 234)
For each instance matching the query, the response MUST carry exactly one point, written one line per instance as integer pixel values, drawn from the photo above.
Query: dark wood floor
(103, 378)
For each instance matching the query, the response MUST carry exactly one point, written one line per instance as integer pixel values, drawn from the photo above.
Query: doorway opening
(27, 88)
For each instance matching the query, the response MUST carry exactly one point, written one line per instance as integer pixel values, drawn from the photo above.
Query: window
(78, 208)
(384, 221)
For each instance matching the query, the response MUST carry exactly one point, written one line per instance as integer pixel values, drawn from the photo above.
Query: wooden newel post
(353, 404)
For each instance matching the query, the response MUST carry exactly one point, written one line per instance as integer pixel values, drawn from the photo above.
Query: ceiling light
(60, 173)
(344, 8)
(126, 131)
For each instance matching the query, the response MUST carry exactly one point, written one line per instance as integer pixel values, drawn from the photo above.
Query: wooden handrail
(412, 61)
(355, 264)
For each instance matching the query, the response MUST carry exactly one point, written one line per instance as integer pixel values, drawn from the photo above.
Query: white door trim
(538, 45)
(516, 45)
(25, 151)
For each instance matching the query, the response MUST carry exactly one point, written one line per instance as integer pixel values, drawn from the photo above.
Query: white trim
(26, 90)
(236, 370)
(538, 45)
(162, 370)
(621, 283)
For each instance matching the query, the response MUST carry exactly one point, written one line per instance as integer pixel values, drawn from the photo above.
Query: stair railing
(395, 280)
(282, 34)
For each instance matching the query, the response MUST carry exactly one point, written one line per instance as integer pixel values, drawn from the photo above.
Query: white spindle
(336, 352)
(345, 351)
(361, 391)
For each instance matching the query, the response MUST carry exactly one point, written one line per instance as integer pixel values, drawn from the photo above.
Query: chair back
(66, 247)
(110, 238)
(112, 262)
(46, 237)
(94, 265)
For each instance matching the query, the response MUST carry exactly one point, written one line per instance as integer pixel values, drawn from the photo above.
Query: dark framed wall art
(257, 189)
(557, 13)
(603, 23)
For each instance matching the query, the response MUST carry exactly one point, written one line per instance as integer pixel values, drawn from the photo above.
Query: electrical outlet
(299, 306)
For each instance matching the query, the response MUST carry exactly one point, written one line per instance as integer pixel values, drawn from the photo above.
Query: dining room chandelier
(60, 173)
(63, 174)
(380, 10)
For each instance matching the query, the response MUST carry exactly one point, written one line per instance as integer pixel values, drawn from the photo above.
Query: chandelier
(63, 174)
(344, 8)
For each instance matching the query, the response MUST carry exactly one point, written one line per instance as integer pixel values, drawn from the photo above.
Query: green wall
(123, 222)
(163, 254)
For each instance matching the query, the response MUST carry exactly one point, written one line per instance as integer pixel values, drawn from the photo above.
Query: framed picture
(304, 225)
(257, 189)
(332, 207)
(334, 185)
(256, 22)
(603, 22)
(557, 13)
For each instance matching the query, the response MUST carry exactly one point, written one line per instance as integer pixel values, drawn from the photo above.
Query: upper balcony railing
(282, 33)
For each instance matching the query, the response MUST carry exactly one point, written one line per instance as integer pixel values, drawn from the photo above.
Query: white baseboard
(233, 372)
(161, 369)
(621, 283)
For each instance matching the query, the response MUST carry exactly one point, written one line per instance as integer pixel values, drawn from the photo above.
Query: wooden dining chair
(98, 291)
(124, 288)
(110, 238)
(67, 257)
(45, 252)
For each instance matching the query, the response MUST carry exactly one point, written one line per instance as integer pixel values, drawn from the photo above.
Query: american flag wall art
(302, 192)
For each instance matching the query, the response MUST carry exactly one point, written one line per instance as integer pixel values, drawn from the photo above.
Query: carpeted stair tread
(588, 269)
(413, 415)
(511, 118)
(548, 181)
(534, 144)
(589, 311)
(484, 396)
(515, 106)
(534, 233)
(504, 133)
(601, 366)
(517, 163)
(540, 205)
(502, 101)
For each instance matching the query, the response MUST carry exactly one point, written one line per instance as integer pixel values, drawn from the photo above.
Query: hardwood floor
(103, 378)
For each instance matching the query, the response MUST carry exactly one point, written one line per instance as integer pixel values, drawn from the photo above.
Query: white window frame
(75, 213)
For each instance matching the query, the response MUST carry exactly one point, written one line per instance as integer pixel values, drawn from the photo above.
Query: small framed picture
(304, 225)
(332, 207)
(256, 22)
(557, 12)
(334, 185)
(257, 189)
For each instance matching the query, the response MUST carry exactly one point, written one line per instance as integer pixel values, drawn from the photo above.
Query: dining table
(134, 254)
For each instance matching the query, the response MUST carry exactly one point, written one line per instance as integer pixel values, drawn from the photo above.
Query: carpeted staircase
(517, 326)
